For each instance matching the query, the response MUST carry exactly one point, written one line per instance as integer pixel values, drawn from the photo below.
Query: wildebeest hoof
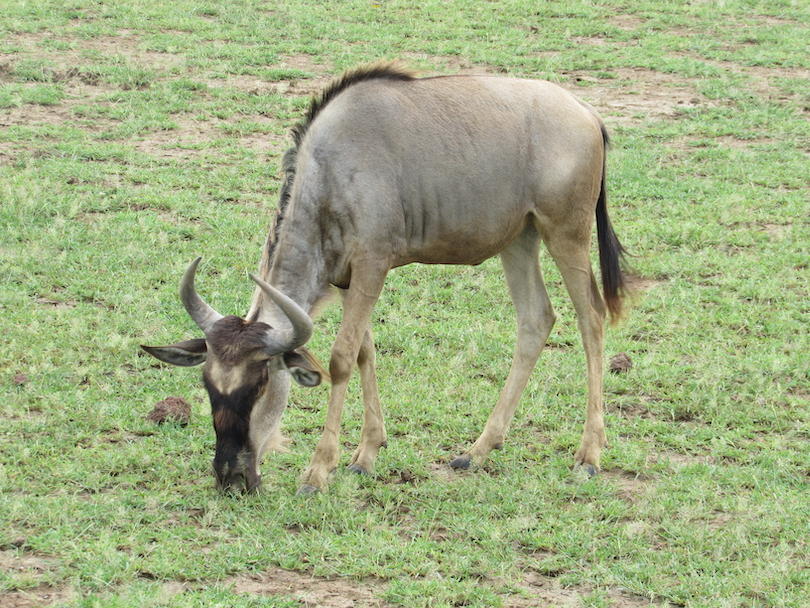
(356, 468)
(589, 469)
(462, 462)
(307, 489)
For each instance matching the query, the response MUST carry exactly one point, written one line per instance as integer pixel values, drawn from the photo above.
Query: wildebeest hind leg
(535, 318)
(573, 259)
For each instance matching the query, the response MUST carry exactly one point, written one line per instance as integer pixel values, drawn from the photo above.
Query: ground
(629, 95)
(312, 592)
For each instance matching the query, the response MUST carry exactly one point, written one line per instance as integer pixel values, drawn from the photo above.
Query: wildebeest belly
(460, 233)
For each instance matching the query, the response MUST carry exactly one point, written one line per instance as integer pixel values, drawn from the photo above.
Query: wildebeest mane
(384, 70)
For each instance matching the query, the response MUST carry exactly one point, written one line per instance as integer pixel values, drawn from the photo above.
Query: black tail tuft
(611, 252)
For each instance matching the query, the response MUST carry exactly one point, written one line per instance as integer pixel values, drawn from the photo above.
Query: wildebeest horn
(281, 341)
(201, 313)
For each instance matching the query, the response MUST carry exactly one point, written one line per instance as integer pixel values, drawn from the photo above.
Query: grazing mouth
(237, 481)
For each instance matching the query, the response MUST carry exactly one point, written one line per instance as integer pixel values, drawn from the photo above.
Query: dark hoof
(587, 468)
(356, 468)
(308, 489)
(462, 462)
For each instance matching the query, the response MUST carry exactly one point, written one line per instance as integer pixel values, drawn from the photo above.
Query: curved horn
(200, 312)
(282, 341)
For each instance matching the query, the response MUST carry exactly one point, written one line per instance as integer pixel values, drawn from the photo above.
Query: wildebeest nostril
(240, 477)
(236, 485)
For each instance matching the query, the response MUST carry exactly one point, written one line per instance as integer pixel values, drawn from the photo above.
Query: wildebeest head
(246, 373)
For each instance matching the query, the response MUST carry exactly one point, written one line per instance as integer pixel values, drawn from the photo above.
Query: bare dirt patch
(680, 460)
(126, 46)
(321, 75)
(766, 82)
(535, 590)
(36, 597)
(687, 144)
(636, 94)
(29, 573)
(35, 114)
(311, 591)
(8, 152)
(629, 486)
(628, 23)
(543, 591)
(460, 65)
(314, 77)
(183, 142)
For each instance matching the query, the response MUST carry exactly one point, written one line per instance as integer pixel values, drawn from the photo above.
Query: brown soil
(31, 570)
(312, 591)
(533, 590)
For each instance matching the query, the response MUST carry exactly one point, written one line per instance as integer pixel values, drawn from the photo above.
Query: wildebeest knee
(341, 365)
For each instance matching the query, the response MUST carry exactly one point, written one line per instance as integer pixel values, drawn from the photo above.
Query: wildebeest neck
(289, 165)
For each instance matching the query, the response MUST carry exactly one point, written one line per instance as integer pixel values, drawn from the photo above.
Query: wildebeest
(389, 169)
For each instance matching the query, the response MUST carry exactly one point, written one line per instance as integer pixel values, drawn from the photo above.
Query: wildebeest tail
(611, 252)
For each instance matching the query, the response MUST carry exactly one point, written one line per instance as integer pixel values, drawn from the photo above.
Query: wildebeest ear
(303, 369)
(184, 354)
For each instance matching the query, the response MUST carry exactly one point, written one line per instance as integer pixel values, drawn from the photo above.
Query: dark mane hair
(383, 70)
(374, 71)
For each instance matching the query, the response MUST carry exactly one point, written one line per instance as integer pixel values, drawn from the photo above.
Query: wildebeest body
(442, 170)
(388, 170)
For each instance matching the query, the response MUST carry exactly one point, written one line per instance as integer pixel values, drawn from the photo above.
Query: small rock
(171, 409)
(620, 363)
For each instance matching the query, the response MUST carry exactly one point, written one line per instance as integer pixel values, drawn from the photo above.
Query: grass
(136, 136)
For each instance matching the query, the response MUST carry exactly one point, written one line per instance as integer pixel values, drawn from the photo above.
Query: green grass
(138, 135)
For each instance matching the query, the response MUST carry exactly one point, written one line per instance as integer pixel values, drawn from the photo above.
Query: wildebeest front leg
(373, 435)
(358, 304)
(535, 318)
